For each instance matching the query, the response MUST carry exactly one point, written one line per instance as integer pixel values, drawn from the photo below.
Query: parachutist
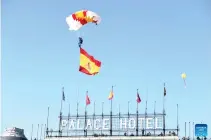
(80, 41)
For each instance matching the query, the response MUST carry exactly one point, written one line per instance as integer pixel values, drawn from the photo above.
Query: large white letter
(121, 123)
(71, 124)
(105, 124)
(89, 124)
(64, 123)
(149, 123)
(79, 124)
(97, 122)
(132, 121)
(141, 120)
(159, 123)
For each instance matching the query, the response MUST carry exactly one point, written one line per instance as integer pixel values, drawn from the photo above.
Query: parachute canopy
(80, 18)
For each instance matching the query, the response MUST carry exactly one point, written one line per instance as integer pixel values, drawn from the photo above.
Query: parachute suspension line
(78, 34)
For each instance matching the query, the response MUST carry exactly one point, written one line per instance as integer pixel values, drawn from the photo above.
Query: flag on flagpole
(88, 64)
(138, 99)
(164, 91)
(111, 95)
(87, 100)
(63, 96)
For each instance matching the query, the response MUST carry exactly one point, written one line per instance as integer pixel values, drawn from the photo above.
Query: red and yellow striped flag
(87, 100)
(88, 64)
(111, 95)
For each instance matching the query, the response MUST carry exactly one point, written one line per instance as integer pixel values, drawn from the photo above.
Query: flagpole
(68, 120)
(47, 123)
(41, 131)
(37, 131)
(32, 132)
(111, 114)
(93, 118)
(154, 116)
(77, 115)
(44, 131)
(185, 129)
(85, 122)
(60, 120)
(193, 130)
(85, 130)
(102, 118)
(119, 116)
(177, 122)
(128, 116)
(137, 117)
(164, 125)
(146, 111)
(77, 108)
(189, 130)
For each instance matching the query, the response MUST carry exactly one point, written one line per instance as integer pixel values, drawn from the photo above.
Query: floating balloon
(183, 75)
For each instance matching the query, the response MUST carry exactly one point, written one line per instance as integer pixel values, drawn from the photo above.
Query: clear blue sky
(141, 44)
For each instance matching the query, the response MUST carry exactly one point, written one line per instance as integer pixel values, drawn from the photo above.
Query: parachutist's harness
(80, 42)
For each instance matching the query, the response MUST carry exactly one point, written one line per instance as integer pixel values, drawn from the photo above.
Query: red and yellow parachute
(80, 18)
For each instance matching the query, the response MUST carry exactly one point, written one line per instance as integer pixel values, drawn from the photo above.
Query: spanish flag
(88, 64)
(111, 95)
